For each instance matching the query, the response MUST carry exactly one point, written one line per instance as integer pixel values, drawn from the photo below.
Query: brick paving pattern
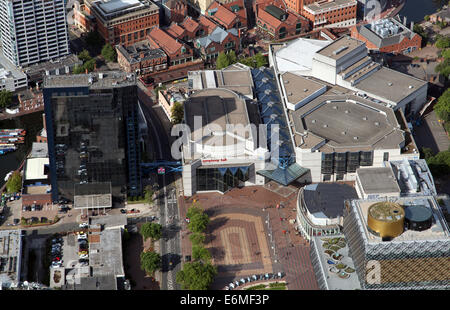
(245, 225)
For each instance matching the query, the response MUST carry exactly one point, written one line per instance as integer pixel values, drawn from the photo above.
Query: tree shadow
(218, 253)
(169, 261)
(216, 224)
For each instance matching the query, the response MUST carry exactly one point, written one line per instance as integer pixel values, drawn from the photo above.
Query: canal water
(415, 10)
(32, 123)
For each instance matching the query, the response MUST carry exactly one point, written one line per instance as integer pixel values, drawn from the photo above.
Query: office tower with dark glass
(92, 131)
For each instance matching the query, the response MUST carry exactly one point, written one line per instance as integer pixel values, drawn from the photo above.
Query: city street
(170, 244)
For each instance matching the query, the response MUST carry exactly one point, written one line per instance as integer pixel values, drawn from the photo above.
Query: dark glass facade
(341, 163)
(221, 178)
(92, 138)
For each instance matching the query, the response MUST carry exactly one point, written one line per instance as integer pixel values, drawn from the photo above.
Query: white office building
(33, 31)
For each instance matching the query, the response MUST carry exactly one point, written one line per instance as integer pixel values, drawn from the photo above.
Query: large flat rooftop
(378, 180)
(10, 256)
(346, 122)
(324, 6)
(390, 84)
(298, 88)
(340, 47)
(217, 107)
(108, 79)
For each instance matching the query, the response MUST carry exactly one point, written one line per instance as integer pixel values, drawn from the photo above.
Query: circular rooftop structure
(418, 218)
(386, 219)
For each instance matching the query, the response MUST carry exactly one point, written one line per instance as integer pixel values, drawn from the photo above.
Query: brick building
(218, 41)
(141, 58)
(329, 13)
(174, 11)
(176, 51)
(31, 99)
(124, 21)
(178, 32)
(274, 21)
(229, 15)
(388, 36)
(82, 17)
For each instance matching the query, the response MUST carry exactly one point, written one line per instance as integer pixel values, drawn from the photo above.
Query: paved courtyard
(249, 235)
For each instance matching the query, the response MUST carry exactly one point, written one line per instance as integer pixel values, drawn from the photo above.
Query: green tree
(427, 17)
(109, 53)
(260, 60)
(442, 107)
(446, 53)
(197, 238)
(177, 112)
(200, 253)
(222, 61)
(440, 164)
(193, 210)
(5, 98)
(443, 42)
(196, 276)
(421, 32)
(198, 222)
(232, 58)
(151, 230)
(14, 184)
(427, 153)
(84, 55)
(444, 67)
(150, 262)
(89, 65)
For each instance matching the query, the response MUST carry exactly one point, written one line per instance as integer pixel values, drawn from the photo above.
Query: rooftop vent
(340, 50)
(377, 123)
(264, 80)
(410, 86)
(268, 91)
(365, 118)
(289, 93)
(313, 121)
(344, 133)
(355, 138)
(335, 107)
(325, 125)
(346, 111)
(390, 83)
(305, 90)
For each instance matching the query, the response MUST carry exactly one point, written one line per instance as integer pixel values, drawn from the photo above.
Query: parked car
(123, 211)
(83, 225)
(83, 236)
(83, 256)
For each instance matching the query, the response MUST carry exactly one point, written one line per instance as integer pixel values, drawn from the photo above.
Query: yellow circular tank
(386, 219)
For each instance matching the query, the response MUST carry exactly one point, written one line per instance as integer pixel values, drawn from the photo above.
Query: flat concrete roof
(35, 168)
(39, 149)
(297, 55)
(10, 256)
(299, 88)
(117, 5)
(105, 257)
(217, 107)
(378, 180)
(107, 79)
(232, 78)
(341, 47)
(390, 84)
(317, 7)
(347, 122)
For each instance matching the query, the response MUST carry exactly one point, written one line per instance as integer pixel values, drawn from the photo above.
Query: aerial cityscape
(217, 145)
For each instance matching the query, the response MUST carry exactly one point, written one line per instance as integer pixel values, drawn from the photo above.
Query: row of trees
(443, 43)
(439, 163)
(150, 260)
(14, 184)
(200, 273)
(226, 59)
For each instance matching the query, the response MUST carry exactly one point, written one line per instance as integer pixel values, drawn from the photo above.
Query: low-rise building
(442, 16)
(10, 258)
(83, 18)
(31, 99)
(36, 187)
(61, 66)
(388, 36)
(174, 11)
(141, 58)
(229, 15)
(332, 13)
(274, 21)
(218, 41)
(167, 98)
(320, 208)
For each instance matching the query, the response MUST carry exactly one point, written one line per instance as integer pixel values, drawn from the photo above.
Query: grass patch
(256, 287)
